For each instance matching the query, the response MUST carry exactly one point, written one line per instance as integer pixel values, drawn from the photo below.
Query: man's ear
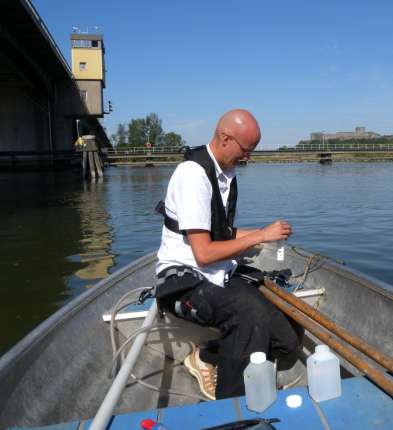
(224, 138)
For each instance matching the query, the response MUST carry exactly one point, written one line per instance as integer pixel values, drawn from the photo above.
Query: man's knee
(287, 348)
(288, 357)
(293, 344)
(296, 334)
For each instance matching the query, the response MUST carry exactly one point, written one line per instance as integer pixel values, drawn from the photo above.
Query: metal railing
(139, 150)
(368, 147)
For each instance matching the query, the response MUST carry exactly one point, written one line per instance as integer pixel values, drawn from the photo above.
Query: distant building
(359, 133)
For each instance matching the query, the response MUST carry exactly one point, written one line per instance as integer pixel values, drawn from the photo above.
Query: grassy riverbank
(270, 157)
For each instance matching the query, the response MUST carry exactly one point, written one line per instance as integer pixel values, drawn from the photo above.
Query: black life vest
(221, 221)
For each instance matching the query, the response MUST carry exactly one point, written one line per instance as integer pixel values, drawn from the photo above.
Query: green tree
(143, 130)
(172, 139)
(113, 139)
(121, 135)
(153, 128)
(137, 132)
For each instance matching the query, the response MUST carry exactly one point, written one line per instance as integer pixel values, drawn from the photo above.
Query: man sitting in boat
(196, 270)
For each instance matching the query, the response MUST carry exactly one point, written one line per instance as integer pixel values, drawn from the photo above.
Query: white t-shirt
(188, 201)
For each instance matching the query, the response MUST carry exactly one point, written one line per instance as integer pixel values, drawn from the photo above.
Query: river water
(60, 235)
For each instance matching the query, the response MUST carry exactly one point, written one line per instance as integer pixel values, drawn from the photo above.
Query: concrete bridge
(40, 102)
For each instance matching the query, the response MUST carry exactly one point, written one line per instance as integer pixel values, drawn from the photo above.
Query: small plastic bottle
(323, 374)
(280, 250)
(260, 382)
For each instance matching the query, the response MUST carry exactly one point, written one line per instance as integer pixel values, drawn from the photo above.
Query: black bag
(175, 285)
(251, 275)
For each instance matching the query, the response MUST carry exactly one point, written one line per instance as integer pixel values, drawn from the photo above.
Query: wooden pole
(383, 381)
(84, 163)
(98, 164)
(92, 165)
(356, 342)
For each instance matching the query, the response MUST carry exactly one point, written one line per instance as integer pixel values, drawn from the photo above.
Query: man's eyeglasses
(244, 149)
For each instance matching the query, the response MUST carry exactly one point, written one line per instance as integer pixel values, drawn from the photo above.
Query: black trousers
(247, 321)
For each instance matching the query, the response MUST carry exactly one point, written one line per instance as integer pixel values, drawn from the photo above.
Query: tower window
(81, 43)
(82, 66)
(86, 43)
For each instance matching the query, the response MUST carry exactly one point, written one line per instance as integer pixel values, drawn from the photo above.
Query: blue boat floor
(361, 406)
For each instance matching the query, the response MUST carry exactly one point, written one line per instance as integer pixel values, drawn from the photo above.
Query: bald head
(237, 134)
(239, 123)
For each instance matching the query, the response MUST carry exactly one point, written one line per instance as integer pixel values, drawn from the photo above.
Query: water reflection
(96, 238)
(55, 241)
(133, 193)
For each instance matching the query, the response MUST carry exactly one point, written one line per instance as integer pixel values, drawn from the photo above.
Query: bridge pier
(92, 165)
(325, 158)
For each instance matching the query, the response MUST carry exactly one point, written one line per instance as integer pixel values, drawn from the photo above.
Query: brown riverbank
(271, 157)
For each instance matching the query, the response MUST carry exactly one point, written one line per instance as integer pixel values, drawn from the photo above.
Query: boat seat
(175, 344)
(310, 296)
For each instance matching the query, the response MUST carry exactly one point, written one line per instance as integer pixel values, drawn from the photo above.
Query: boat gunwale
(349, 272)
(65, 312)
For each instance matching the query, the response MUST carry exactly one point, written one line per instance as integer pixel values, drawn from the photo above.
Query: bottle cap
(257, 357)
(294, 401)
(322, 348)
(148, 424)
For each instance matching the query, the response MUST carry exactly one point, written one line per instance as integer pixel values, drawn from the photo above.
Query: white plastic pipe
(105, 411)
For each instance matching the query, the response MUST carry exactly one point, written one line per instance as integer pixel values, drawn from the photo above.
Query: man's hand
(207, 252)
(278, 230)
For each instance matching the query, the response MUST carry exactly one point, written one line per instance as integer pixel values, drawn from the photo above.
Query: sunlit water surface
(59, 235)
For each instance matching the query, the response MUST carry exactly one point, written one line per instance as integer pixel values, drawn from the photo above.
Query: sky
(298, 66)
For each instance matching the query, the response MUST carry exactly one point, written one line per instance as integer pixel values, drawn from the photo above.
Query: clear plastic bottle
(323, 374)
(260, 382)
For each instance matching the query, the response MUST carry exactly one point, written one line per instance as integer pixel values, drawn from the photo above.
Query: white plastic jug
(323, 374)
(260, 382)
